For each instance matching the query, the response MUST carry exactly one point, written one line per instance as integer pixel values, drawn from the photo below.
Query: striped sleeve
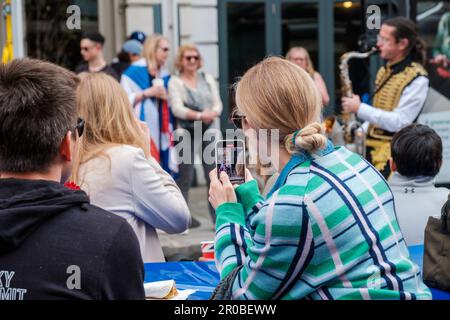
(278, 251)
(232, 235)
(232, 238)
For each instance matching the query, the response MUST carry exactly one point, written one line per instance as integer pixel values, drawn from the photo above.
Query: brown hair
(37, 109)
(180, 55)
(277, 94)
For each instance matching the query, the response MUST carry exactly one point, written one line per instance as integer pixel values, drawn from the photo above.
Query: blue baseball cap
(138, 35)
(132, 46)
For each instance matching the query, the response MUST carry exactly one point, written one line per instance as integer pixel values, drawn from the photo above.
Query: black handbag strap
(192, 106)
(223, 290)
(444, 215)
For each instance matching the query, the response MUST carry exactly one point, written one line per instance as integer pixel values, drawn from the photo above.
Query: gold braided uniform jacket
(388, 98)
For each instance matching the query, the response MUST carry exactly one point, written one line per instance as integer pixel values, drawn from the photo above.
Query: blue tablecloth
(203, 276)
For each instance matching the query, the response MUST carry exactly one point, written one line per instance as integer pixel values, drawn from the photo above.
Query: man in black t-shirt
(91, 46)
(53, 243)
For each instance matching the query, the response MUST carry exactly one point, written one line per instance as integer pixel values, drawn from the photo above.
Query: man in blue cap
(131, 52)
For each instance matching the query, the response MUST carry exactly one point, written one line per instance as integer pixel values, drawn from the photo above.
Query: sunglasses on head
(80, 126)
(189, 58)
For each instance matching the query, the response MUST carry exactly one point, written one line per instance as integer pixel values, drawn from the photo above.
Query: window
(47, 36)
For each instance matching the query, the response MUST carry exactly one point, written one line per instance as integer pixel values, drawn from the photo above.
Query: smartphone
(230, 157)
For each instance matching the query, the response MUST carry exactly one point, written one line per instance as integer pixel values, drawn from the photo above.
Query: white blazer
(137, 189)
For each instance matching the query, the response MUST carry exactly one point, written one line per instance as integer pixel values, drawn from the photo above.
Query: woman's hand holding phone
(220, 191)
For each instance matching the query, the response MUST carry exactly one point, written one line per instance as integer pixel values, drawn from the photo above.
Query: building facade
(232, 35)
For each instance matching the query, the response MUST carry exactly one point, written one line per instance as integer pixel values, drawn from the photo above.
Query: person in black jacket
(91, 46)
(53, 243)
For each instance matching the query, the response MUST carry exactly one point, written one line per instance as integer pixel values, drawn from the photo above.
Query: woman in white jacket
(115, 168)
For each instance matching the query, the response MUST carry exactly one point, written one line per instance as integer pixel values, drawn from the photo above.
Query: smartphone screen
(230, 157)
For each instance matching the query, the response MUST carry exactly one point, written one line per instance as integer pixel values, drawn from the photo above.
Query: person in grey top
(194, 99)
(416, 161)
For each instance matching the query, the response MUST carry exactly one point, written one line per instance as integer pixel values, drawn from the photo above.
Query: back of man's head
(37, 109)
(417, 151)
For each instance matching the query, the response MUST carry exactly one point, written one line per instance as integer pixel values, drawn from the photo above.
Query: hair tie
(295, 136)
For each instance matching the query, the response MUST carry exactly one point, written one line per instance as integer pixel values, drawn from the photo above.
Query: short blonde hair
(278, 94)
(180, 55)
(151, 45)
(109, 121)
(309, 65)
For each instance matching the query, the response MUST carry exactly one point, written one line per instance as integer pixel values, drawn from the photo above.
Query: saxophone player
(401, 88)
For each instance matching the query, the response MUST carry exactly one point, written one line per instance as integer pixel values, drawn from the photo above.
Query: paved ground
(187, 245)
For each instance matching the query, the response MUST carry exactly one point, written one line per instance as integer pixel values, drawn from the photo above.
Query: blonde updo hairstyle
(277, 94)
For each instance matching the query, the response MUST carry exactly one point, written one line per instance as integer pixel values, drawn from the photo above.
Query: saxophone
(354, 135)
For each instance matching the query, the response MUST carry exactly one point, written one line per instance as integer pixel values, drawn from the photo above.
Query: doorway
(250, 30)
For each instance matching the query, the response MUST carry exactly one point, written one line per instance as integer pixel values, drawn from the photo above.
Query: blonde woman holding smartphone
(327, 229)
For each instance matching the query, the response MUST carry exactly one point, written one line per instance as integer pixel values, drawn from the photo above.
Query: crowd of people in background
(329, 217)
(194, 96)
(162, 101)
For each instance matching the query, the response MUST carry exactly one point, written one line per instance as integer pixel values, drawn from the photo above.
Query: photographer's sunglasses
(237, 119)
